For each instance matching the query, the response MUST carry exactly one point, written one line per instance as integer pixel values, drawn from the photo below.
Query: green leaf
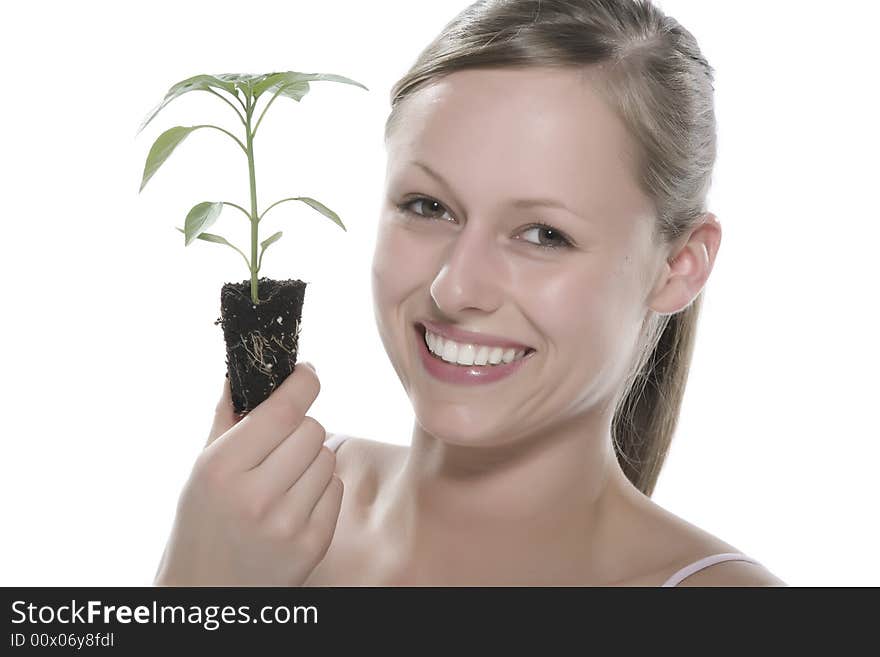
(210, 237)
(162, 148)
(200, 218)
(295, 90)
(323, 209)
(296, 85)
(269, 240)
(320, 207)
(265, 243)
(242, 81)
(195, 83)
(269, 80)
(281, 82)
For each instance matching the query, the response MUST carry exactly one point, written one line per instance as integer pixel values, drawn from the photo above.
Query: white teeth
(450, 351)
(465, 354)
(470, 354)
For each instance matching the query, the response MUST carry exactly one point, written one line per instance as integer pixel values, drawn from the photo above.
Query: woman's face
(577, 294)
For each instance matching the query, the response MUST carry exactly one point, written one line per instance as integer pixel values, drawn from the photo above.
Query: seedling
(261, 335)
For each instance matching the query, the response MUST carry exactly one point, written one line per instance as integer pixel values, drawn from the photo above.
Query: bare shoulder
(690, 543)
(732, 573)
(363, 464)
(666, 541)
(366, 451)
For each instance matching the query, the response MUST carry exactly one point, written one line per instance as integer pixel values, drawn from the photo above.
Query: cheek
(585, 318)
(400, 269)
(399, 264)
(572, 311)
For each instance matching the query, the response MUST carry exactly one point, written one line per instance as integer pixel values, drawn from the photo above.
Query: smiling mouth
(421, 331)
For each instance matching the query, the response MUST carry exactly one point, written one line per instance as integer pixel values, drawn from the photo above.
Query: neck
(463, 511)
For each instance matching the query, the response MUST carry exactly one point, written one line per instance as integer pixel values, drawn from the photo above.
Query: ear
(687, 267)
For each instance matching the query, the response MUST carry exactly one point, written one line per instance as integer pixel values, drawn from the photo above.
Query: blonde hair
(653, 76)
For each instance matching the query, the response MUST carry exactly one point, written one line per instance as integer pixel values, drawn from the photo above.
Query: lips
(471, 337)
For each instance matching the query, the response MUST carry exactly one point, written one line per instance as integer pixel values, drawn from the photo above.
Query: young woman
(537, 281)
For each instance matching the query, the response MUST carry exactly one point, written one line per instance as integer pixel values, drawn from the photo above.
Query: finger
(225, 416)
(287, 462)
(325, 515)
(250, 440)
(299, 500)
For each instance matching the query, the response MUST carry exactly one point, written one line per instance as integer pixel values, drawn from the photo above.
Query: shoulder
(363, 464)
(364, 450)
(687, 545)
(732, 573)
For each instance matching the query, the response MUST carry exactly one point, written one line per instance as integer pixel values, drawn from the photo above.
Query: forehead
(523, 132)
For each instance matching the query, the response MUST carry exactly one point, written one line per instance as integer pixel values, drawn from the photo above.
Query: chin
(456, 426)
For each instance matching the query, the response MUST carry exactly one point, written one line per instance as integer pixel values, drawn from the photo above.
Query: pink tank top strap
(335, 440)
(705, 562)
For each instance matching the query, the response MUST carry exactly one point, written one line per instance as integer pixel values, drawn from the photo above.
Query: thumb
(225, 416)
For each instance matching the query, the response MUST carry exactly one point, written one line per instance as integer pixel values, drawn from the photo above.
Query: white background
(112, 364)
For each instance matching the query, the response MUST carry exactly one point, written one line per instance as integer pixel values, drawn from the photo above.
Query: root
(256, 352)
(257, 349)
(280, 344)
(272, 358)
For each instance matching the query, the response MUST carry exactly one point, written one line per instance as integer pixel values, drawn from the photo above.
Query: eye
(545, 231)
(430, 203)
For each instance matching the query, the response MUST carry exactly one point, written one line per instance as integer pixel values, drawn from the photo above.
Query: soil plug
(260, 317)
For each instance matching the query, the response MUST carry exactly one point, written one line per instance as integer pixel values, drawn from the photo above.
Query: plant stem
(237, 140)
(225, 100)
(269, 104)
(254, 224)
(246, 214)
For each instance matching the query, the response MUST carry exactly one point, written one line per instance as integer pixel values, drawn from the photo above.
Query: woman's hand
(261, 504)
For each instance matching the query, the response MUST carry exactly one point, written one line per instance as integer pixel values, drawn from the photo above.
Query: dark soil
(262, 339)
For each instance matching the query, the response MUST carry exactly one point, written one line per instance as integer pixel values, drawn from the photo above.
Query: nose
(472, 275)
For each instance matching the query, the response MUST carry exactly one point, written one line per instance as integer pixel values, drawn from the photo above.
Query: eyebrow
(517, 203)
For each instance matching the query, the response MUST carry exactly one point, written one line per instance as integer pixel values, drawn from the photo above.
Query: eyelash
(566, 243)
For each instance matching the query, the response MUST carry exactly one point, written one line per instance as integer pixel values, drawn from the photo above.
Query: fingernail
(314, 369)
